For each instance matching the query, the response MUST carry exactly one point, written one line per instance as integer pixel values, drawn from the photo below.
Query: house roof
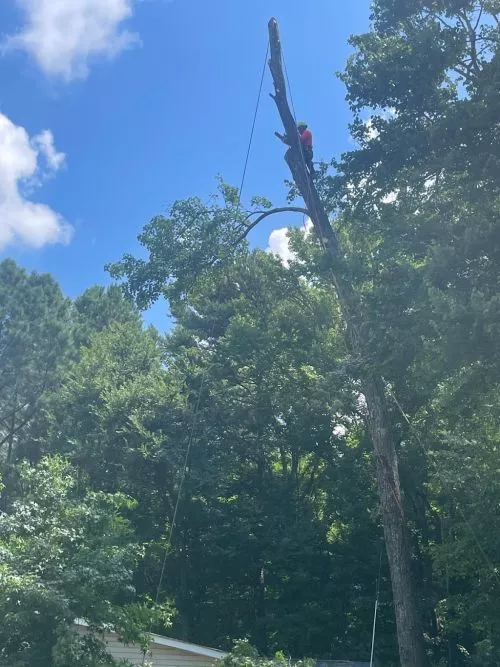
(160, 640)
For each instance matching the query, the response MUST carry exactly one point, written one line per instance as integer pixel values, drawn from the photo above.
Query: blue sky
(112, 109)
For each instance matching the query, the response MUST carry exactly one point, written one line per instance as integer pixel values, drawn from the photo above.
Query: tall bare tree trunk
(406, 607)
(408, 620)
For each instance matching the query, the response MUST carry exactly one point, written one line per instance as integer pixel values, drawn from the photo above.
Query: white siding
(160, 656)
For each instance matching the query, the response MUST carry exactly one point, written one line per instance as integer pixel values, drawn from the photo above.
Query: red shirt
(306, 138)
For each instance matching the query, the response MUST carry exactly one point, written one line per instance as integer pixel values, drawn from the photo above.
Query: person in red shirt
(306, 141)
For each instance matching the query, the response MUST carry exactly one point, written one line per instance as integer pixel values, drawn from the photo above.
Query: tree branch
(480, 16)
(465, 20)
(17, 429)
(266, 214)
(439, 19)
(465, 73)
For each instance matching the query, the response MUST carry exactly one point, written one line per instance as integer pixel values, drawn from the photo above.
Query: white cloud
(21, 220)
(44, 143)
(65, 35)
(279, 243)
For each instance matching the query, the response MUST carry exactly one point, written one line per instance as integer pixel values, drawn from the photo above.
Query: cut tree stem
(408, 623)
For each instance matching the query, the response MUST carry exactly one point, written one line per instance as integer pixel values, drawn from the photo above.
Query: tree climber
(306, 143)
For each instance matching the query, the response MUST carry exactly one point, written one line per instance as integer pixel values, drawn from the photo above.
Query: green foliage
(270, 495)
(99, 307)
(34, 341)
(277, 532)
(420, 204)
(244, 654)
(80, 650)
(192, 239)
(65, 554)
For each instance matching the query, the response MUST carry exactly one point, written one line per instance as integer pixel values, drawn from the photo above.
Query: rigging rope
(183, 477)
(198, 399)
(253, 125)
(413, 428)
(192, 429)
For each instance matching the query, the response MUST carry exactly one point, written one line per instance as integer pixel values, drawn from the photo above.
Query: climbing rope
(301, 151)
(288, 84)
(323, 245)
(377, 596)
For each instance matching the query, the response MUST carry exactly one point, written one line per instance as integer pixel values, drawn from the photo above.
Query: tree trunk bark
(408, 620)
(406, 606)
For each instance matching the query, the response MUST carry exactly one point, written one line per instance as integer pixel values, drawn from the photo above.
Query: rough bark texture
(406, 607)
(410, 638)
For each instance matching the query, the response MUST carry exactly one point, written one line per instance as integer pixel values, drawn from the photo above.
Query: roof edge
(160, 640)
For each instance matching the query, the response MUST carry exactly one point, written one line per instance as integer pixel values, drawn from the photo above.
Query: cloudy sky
(112, 109)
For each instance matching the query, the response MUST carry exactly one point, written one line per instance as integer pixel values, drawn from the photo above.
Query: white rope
(377, 596)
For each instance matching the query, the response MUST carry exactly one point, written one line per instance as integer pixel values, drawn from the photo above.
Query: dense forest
(247, 420)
